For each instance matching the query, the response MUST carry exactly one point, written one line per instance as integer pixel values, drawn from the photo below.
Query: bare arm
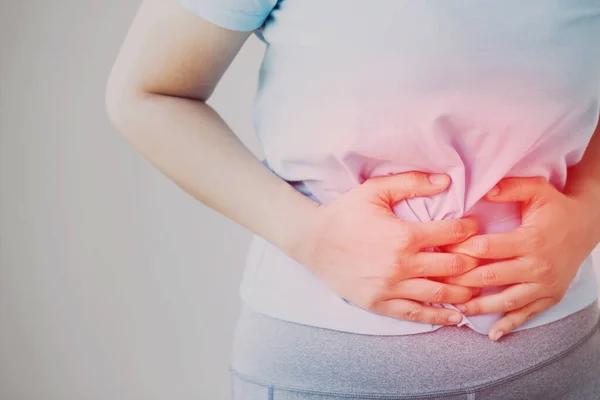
(168, 67)
(583, 181)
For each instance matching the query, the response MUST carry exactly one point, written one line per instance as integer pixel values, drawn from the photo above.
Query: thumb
(517, 189)
(394, 188)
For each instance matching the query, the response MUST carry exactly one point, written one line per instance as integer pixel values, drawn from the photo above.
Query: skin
(168, 67)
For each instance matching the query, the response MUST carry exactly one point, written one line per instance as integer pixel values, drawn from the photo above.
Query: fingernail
(494, 191)
(455, 318)
(461, 308)
(497, 335)
(439, 179)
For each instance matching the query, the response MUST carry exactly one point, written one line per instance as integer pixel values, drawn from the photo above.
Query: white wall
(114, 284)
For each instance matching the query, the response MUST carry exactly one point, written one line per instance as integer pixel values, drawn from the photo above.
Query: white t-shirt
(352, 89)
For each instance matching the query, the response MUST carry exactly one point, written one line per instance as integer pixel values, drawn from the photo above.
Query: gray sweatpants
(279, 360)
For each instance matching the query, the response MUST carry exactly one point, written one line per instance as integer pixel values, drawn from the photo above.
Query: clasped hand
(538, 260)
(362, 251)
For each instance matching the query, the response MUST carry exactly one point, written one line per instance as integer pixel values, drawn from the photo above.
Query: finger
(496, 274)
(517, 189)
(514, 319)
(430, 291)
(413, 311)
(393, 188)
(509, 299)
(442, 232)
(427, 264)
(510, 244)
(474, 290)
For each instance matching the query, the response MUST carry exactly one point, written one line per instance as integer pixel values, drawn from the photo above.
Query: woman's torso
(480, 90)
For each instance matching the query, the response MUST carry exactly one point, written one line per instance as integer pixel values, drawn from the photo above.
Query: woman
(416, 234)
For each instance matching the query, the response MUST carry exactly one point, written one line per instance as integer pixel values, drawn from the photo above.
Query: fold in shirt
(503, 127)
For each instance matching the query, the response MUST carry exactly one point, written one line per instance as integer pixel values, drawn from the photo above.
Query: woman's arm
(583, 182)
(168, 66)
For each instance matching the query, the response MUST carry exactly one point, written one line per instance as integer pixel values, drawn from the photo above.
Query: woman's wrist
(295, 228)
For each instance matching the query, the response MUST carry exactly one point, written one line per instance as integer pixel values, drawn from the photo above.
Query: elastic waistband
(291, 355)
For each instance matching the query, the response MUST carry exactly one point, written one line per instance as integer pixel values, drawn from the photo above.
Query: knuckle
(457, 265)
(536, 239)
(386, 283)
(403, 269)
(400, 266)
(543, 269)
(458, 229)
(511, 325)
(475, 308)
(536, 202)
(408, 237)
(488, 277)
(509, 304)
(466, 294)
(398, 247)
(414, 313)
(513, 184)
(417, 269)
(481, 247)
(438, 294)
(413, 178)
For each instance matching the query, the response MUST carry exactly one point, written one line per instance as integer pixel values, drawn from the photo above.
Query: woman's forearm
(583, 181)
(188, 142)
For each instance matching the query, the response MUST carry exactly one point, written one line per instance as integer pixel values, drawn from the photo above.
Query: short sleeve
(237, 15)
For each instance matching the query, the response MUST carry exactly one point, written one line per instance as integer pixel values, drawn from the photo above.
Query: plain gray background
(114, 283)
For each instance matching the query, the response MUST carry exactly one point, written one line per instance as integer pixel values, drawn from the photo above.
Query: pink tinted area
(476, 149)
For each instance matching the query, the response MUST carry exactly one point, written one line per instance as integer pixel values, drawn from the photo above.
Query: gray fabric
(279, 360)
